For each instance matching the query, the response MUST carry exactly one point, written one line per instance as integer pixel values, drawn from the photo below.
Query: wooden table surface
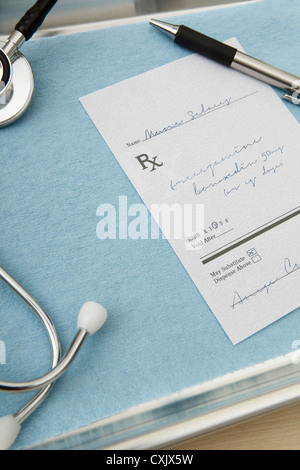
(278, 430)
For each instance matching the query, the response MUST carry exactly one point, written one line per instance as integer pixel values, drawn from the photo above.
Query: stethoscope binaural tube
(12, 424)
(34, 18)
(17, 82)
(91, 318)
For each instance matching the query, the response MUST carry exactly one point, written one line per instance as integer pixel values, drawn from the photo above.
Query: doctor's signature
(289, 268)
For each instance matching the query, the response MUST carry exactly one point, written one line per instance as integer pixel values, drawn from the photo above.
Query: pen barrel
(211, 48)
(265, 72)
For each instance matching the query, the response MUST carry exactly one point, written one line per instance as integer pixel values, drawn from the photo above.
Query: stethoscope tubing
(57, 368)
(92, 317)
(31, 406)
(53, 375)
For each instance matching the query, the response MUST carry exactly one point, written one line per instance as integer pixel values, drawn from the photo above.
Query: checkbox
(252, 252)
(256, 259)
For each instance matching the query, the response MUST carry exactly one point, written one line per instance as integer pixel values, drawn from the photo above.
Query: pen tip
(154, 22)
(168, 28)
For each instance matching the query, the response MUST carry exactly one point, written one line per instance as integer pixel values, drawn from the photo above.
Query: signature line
(256, 292)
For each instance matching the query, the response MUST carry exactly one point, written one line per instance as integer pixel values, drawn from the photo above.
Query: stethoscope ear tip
(92, 317)
(9, 431)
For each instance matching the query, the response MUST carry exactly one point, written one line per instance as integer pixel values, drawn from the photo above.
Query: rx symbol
(144, 160)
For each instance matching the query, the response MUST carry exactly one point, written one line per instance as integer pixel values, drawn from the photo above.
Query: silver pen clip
(294, 98)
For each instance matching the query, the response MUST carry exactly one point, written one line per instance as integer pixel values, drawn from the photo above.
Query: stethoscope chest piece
(16, 86)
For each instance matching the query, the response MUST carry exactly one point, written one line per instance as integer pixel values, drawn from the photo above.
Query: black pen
(231, 57)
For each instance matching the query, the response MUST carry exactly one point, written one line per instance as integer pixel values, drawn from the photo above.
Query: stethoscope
(17, 82)
(16, 89)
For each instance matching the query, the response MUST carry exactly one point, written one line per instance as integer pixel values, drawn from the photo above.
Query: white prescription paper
(194, 132)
